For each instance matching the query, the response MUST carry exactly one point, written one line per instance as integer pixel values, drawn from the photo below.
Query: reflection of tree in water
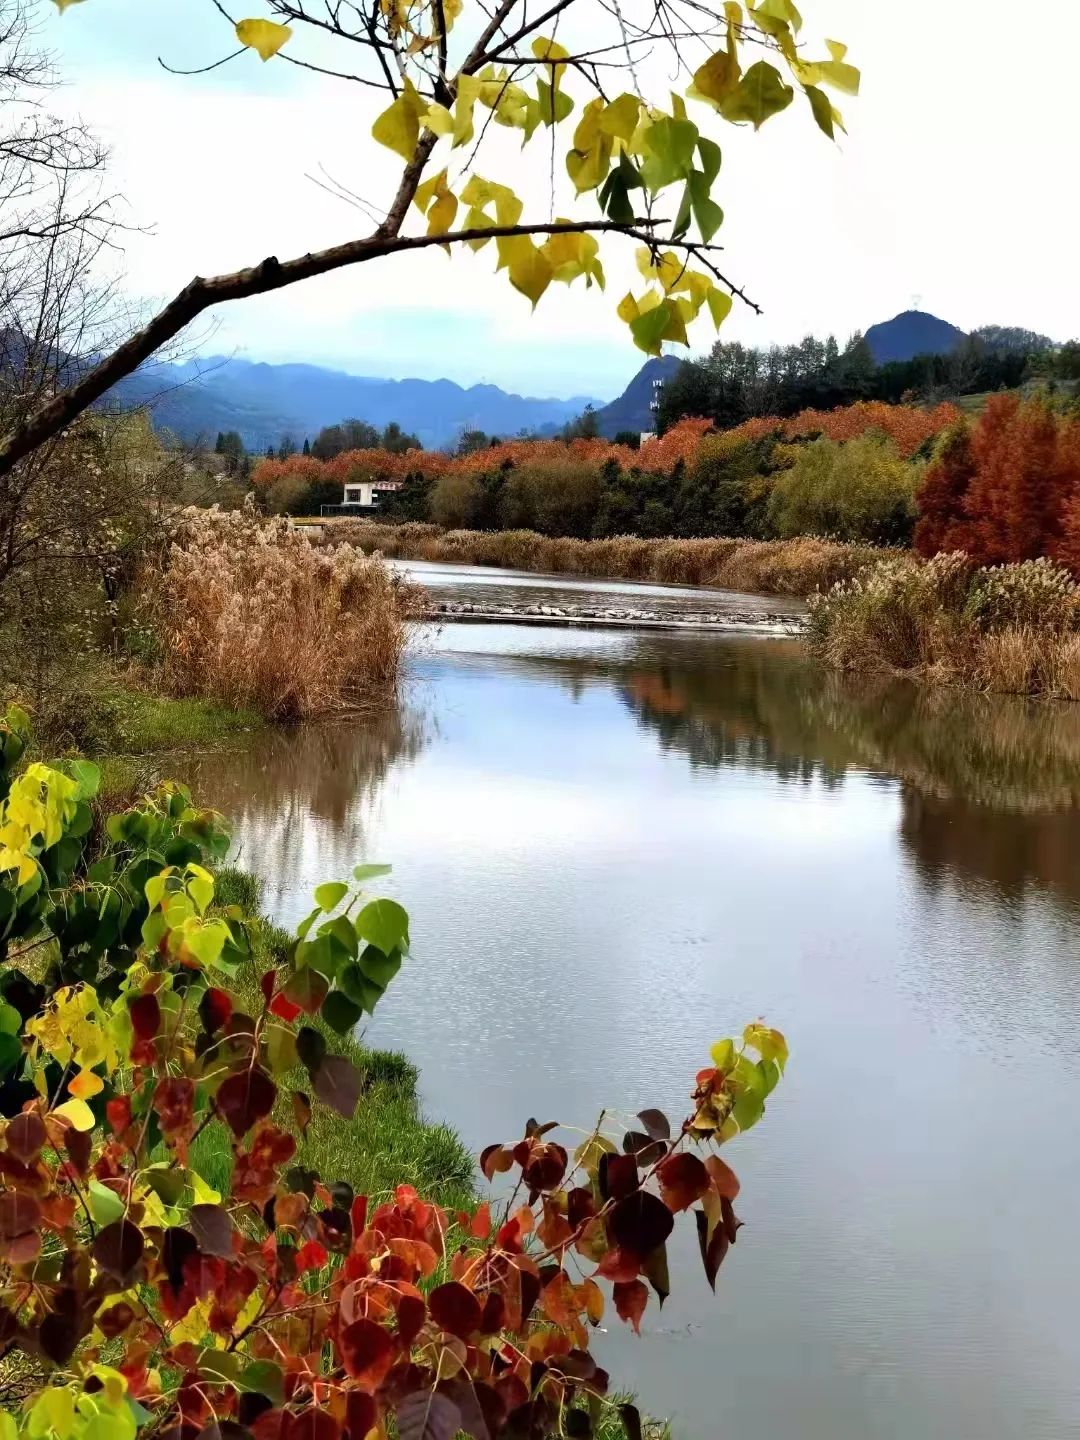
(330, 772)
(990, 785)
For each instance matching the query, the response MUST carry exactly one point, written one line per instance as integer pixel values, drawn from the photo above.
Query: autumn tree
(942, 517)
(641, 157)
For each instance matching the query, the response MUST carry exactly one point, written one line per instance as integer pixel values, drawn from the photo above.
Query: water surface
(617, 848)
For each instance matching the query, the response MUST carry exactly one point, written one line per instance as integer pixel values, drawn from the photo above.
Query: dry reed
(767, 567)
(250, 613)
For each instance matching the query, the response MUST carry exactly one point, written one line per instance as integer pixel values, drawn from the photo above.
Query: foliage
(252, 615)
(1002, 490)
(861, 490)
(144, 1299)
(1014, 628)
(735, 382)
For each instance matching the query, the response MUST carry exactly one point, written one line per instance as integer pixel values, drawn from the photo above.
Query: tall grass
(250, 614)
(767, 567)
(1008, 628)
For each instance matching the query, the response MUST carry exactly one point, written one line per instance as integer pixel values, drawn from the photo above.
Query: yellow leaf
(77, 1113)
(398, 127)
(265, 37)
(86, 1085)
(620, 118)
(439, 120)
(627, 308)
(529, 268)
(545, 49)
(62, 5)
(719, 306)
(836, 49)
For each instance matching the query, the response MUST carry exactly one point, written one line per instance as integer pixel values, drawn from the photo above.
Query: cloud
(952, 185)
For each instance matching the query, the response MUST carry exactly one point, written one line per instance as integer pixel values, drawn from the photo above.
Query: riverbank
(762, 567)
(1011, 629)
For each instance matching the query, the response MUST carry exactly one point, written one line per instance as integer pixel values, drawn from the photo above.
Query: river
(615, 849)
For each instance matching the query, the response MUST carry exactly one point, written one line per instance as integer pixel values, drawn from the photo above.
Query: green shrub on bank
(862, 490)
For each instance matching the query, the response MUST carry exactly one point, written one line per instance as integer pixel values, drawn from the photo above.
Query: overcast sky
(955, 187)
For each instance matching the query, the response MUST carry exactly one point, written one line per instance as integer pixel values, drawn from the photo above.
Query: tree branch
(273, 274)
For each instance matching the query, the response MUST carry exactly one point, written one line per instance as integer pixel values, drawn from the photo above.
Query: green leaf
(329, 896)
(821, 106)
(11, 1052)
(263, 1377)
(343, 934)
(10, 1020)
(105, 1205)
(167, 1182)
(380, 969)
(370, 872)
(648, 328)
(384, 924)
(711, 158)
(707, 213)
(87, 776)
(360, 990)
(670, 144)
(760, 94)
(341, 1013)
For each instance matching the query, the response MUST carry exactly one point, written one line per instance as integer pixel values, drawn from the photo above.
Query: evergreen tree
(307, 446)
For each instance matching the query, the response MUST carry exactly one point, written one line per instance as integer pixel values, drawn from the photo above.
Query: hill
(264, 402)
(913, 333)
(631, 410)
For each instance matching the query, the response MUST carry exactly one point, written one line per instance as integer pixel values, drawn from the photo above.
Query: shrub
(250, 613)
(858, 491)
(1014, 628)
(138, 1036)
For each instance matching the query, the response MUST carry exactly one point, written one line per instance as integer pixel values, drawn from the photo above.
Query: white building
(365, 493)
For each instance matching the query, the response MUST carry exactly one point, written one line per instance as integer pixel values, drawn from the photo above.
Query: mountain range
(263, 403)
(198, 398)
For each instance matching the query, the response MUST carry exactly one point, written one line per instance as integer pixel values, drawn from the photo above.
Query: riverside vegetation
(146, 1029)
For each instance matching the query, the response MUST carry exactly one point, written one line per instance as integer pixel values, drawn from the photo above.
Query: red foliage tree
(942, 517)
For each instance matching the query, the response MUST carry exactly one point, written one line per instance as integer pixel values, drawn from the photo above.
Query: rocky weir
(613, 617)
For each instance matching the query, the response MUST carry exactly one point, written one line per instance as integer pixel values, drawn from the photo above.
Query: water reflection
(614, 848)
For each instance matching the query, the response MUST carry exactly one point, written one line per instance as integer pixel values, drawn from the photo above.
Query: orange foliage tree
(909, 427)
(1006, 490)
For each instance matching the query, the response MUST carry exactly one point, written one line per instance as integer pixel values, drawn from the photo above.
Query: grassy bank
(1014, 629)
(765, 567)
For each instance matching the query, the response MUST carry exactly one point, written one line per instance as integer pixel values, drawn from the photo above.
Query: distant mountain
(910, 334)
(264, 402)
(631, 410)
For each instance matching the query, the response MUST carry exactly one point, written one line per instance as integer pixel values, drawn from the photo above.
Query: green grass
(146, 724)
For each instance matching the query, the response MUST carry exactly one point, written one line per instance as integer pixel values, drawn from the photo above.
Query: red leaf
(368, 1351)
(545, 1166)
(713, 1247)
(301, 1109)
(307, 988)
(631, 1420)
(314, 1424)
(213, 1230)
(118, 1112)
(338, 1083)
(640, 1222)
(724, 1180)
(456, 1309)
(118, 1249)
(655, 1124)
(25, 1137)
(617, 1176)
(283, 1008)
(495, 1160)
(620, 1265)
(493, 1318)
(428, 1415)
(630, 1298)
(266, 984)
(683, 1179)
(19, 1214)
(361, 1415)
(411, 1314)
(310, 1256)
(215, 1009)
(358, 1215)
(730, 1221)
(245, 1097)
(481, 1222)
(146, 1016)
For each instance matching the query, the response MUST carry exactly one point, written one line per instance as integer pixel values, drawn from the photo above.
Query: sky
(952, 191)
